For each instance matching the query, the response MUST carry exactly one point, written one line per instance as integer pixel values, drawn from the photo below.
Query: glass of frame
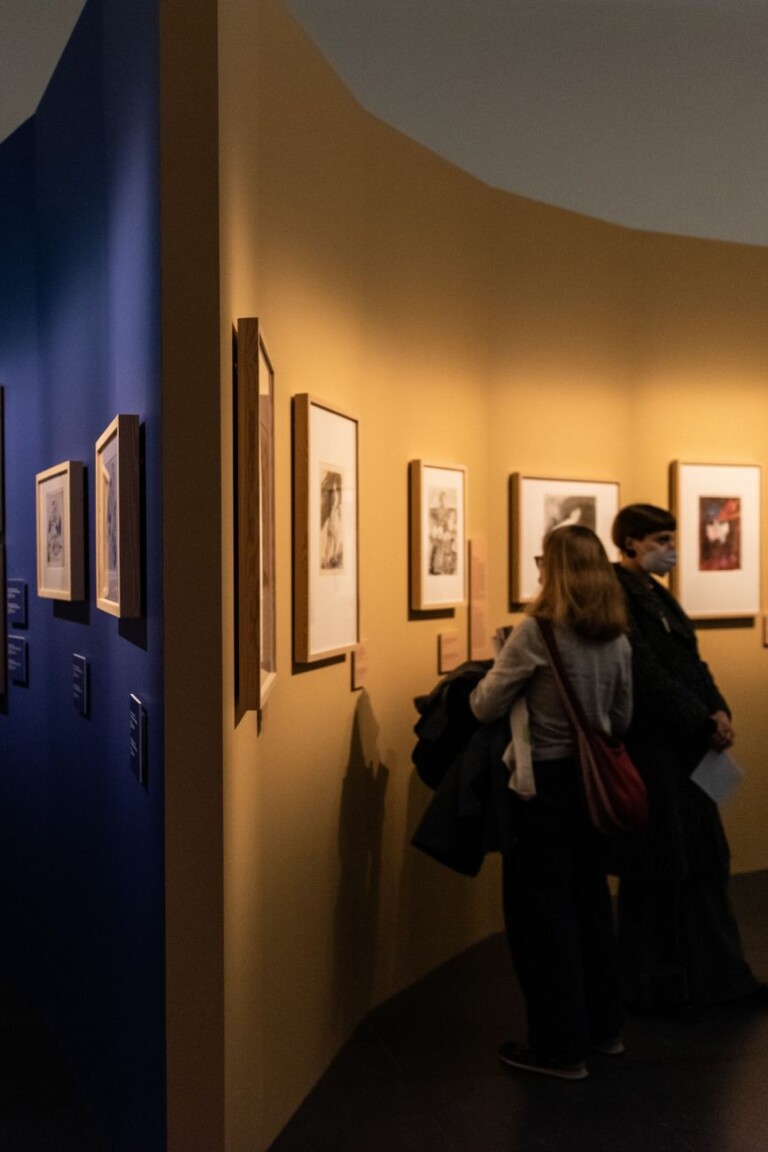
(537, 505)
(718, 532)
(438, 535)
(60, 532)
(118, 571)
(326, 596)
(257, 633)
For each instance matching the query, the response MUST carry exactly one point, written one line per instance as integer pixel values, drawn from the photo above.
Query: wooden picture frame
(60, 532)
(717, 507)
(326, 559)
(118, 539)
(256, 567)
(438, 535)
(539, 504)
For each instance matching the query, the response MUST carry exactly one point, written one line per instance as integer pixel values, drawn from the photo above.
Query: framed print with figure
(256, 604)
(60, 532)
(326, 597)
(438, 535)
(116, 476)
(537, 505)
(718, 539)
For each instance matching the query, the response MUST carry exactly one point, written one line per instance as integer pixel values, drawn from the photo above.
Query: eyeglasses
(539, 561)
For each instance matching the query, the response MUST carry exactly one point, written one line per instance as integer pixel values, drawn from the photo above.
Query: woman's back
(600, 672)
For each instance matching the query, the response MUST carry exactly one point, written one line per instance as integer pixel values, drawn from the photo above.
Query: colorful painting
(719, 533)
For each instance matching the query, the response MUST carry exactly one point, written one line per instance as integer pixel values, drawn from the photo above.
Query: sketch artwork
(719, 533)
(331, 518)
(443, 506)
(561, 510)
(110, 528)
(54, 502)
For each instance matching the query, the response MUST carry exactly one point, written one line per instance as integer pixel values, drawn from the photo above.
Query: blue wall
(81, 841)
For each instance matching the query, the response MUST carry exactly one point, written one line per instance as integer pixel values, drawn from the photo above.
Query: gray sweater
(600, 673)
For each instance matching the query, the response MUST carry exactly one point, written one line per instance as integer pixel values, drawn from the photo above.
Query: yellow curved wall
(460, 325)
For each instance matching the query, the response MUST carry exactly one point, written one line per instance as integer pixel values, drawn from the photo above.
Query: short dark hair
(639, 520)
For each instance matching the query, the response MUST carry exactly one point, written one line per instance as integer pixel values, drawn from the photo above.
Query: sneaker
(612, 1047)
(515, 1057)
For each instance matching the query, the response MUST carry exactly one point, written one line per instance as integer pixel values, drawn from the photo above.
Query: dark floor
(421, 1072)
(40, 1110)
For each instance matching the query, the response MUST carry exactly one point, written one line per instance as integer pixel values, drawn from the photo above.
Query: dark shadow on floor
(421, 1072)
(40, 1109)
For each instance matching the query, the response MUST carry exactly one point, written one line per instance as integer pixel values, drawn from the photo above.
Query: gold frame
(118, 539)
(256, 555)
(432, 590)
(60, 529)
(529, 522)
(326, 593)
(716, 593)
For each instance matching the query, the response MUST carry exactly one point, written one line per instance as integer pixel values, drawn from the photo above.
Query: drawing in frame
(256, 603)
(326, 561)
(438, 535)
(118, 561)
(60, 532)
(540, 504)
(717, 507)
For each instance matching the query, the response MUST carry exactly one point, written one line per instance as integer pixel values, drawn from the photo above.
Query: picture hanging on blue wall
(118, 561)
(60, 532)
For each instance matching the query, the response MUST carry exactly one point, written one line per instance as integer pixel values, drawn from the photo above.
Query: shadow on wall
(361, 824)
(439, 909)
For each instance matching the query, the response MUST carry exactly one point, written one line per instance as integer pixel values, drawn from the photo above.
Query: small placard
(18, 660)
(448, 654)
(80, 684)
(359, 666)
(138, 739)
(16, 602)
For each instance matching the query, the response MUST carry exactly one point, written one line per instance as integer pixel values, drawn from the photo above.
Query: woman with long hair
(557, 906)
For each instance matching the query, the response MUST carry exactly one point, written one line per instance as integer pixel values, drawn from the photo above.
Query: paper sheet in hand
(718, 775)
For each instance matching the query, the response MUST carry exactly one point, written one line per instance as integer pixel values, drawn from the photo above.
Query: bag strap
(574, 709)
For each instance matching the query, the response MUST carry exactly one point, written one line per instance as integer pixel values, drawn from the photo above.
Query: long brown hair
(579, 587)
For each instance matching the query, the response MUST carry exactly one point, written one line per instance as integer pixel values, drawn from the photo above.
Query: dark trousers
(559, 918)
(679, 942)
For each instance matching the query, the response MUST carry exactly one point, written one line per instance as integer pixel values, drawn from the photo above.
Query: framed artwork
(118, 561)
(537, 505)
(718, 539)
(60, 532)
(326, 597)
(438, 535)
(256, 604)
(438, 501)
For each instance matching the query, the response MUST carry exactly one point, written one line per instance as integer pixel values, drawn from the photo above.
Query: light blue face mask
(659, 562)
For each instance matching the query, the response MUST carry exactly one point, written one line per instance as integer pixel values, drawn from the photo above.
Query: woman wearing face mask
(678, 940)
